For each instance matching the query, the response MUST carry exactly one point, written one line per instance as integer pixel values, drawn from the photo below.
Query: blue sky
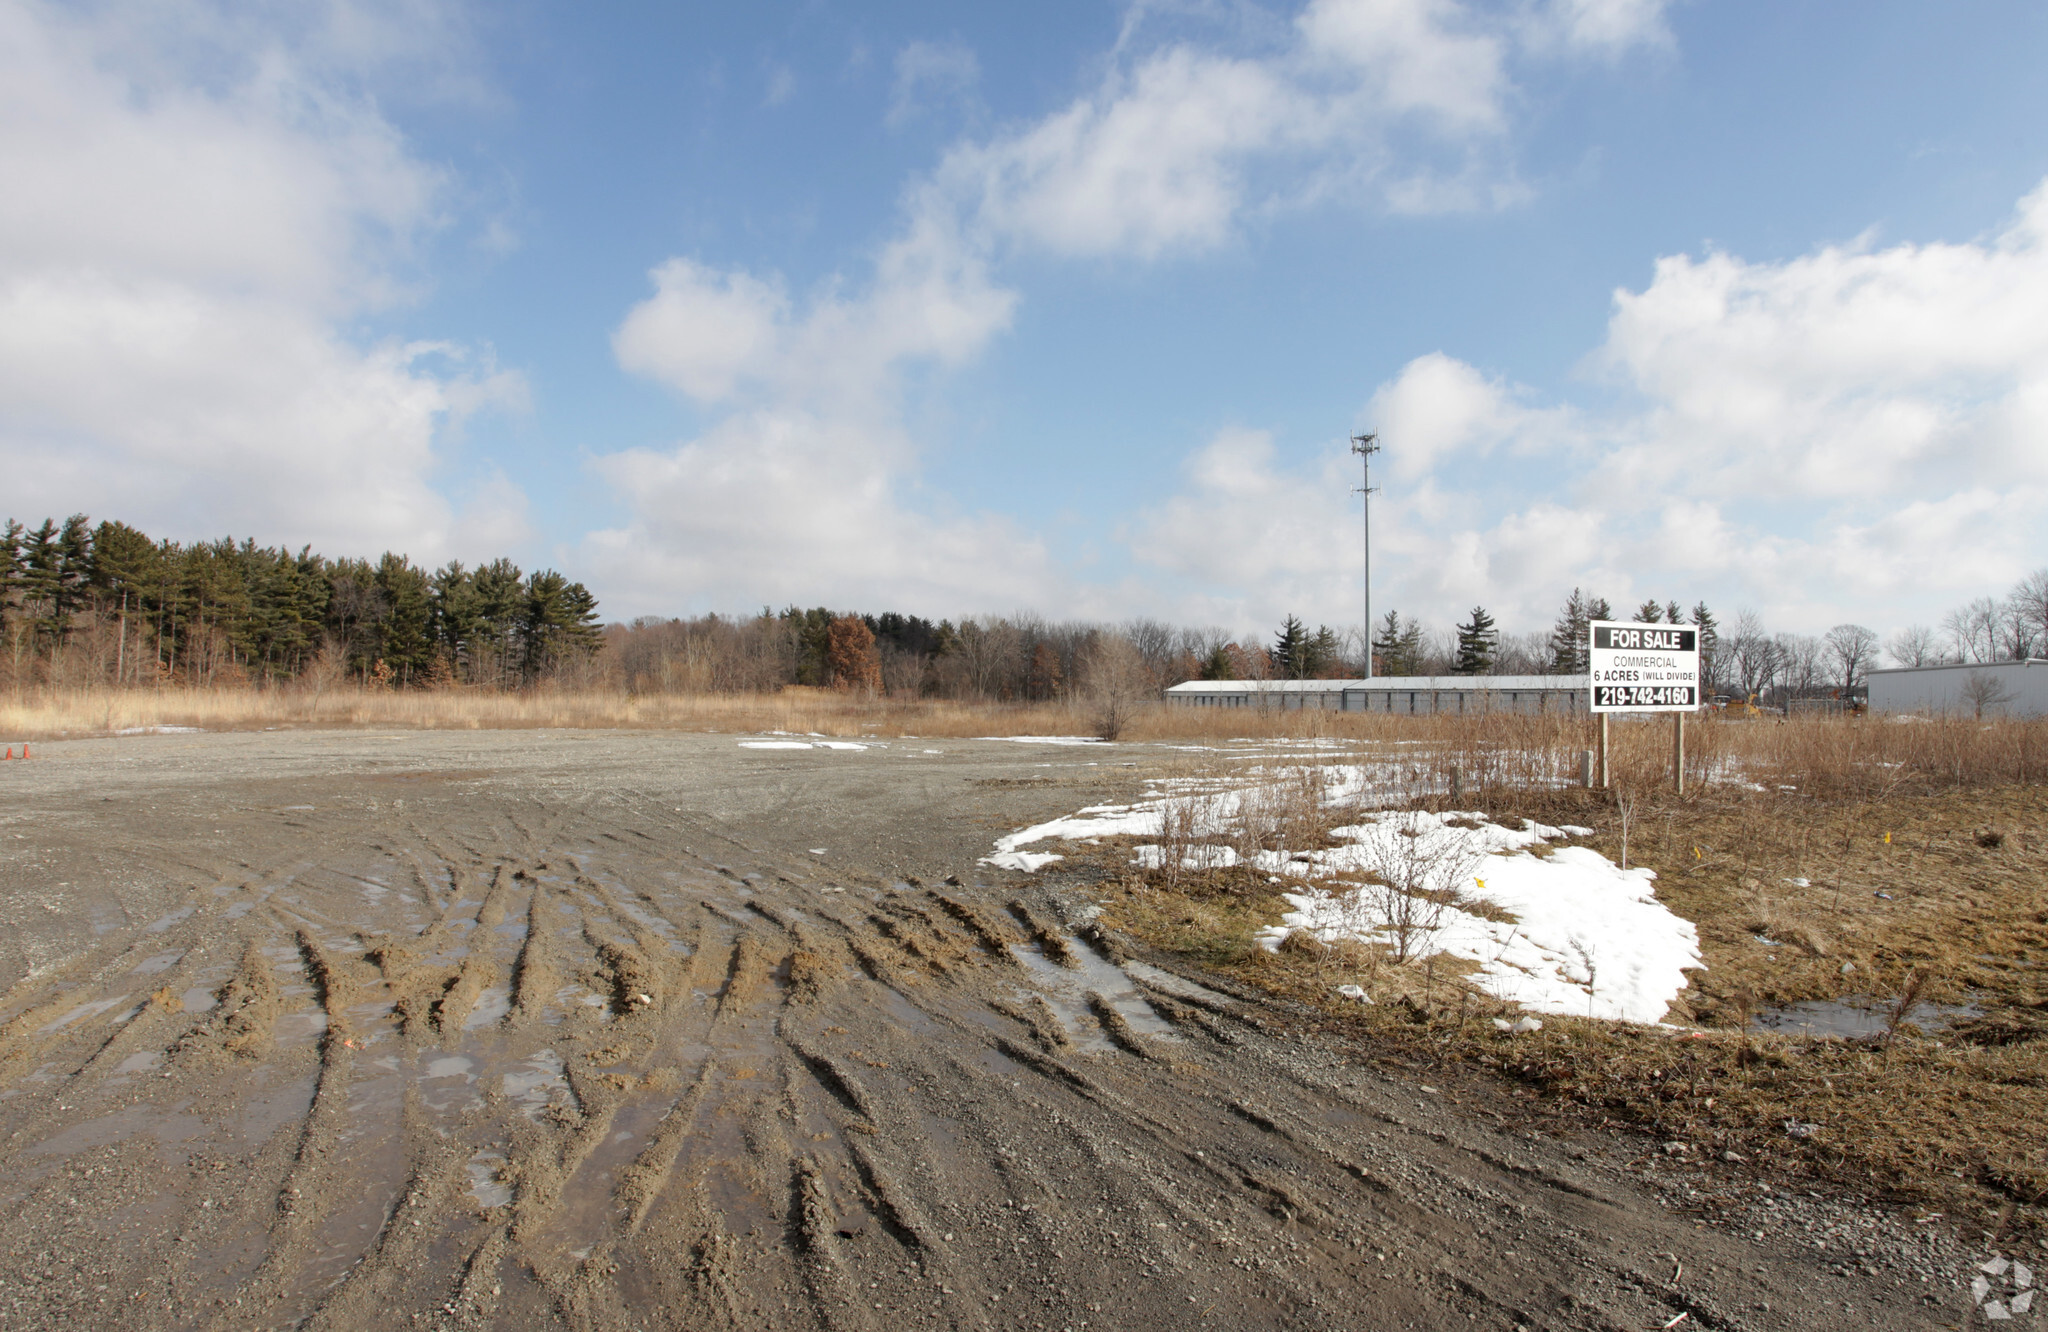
(1064, 308)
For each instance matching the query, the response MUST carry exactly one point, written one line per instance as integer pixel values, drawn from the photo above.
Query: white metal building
(1995, 688)
(1398, 694)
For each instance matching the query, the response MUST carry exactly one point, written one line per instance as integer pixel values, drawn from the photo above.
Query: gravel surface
(640, 1030)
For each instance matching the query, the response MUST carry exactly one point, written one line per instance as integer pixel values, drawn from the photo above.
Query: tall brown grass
(1490, 753)
(76, 713)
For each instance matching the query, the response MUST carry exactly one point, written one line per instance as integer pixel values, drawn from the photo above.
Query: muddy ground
(639, 1030)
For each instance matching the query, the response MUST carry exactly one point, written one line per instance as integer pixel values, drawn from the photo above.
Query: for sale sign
(1645, 667)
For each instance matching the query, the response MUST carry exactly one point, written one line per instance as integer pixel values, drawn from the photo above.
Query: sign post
(1645, 668)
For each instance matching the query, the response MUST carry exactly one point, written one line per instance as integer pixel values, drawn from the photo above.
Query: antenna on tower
(1365, 446)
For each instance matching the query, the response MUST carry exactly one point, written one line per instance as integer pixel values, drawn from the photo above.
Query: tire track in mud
(573, 1073)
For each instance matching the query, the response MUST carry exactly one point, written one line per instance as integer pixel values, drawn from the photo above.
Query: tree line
(84, 603)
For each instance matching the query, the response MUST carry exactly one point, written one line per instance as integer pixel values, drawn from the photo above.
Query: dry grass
(74, 713)
(1908, 894)
(1491, 756)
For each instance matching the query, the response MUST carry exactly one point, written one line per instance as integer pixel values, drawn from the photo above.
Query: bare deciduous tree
(1972, 630)
(1115, 684)
(1753, 653)
(1851, 649)
(1982, 690)
(2027, 603)
(1800, 658)
(1915, 645)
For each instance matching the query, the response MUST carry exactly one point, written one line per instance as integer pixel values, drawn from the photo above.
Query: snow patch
(1582, 936)
(1586, 938)
(1027, 861)
(1047, 739)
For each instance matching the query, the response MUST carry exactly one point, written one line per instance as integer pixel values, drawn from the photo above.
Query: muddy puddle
(1857, 1018)
(1071, 992)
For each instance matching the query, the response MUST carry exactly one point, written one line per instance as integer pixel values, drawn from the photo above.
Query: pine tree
(1568, 640)
(1411, 648)
(1710, 639)
(405, 638)
(500, 613)
(74, 571)
(1672, 613)
(1386, 647)
(1290, 650)
(1649, 612)
(1598, 609)
(1322, 654)
(1477, 640)
(40, 565)
(1218, 665)
(812, 631)
(560, 623)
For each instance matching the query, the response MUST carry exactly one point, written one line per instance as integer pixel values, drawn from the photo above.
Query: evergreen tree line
(82, 603)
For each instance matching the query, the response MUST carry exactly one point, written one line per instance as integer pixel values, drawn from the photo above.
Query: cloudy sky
(1066, 307)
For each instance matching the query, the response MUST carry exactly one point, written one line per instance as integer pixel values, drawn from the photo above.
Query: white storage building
(1398, 694)
(1994, 689)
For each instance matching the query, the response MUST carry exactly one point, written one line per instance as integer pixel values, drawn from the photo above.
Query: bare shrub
(1628, 799)
(1186, 825)
(1901, 1008)
(1304, 811)
(1258, 822)
(1419, 874)
(1287, 812)
(1115, 685)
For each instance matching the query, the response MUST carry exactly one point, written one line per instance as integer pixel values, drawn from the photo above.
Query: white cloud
(1166, 154)
(1440, 408)
(167, 408)
(1404, 103)
(185, 225)
(702, 331)
(1852, 434)
(1854, 371)
(1605, 28)
(804, 488)
(928, 73)
(778, 505)
(1427, 57)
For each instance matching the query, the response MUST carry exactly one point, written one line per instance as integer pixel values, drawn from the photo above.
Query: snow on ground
(1586, 937)
(1047, 739)
(1096, 821)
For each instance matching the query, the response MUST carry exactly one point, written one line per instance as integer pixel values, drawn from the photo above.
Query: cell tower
(1365, 446)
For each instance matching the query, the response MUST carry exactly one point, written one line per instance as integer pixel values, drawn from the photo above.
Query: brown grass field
(1924, 851)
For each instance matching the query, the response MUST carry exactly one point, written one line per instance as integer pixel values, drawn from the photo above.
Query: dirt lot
(639, 1030)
